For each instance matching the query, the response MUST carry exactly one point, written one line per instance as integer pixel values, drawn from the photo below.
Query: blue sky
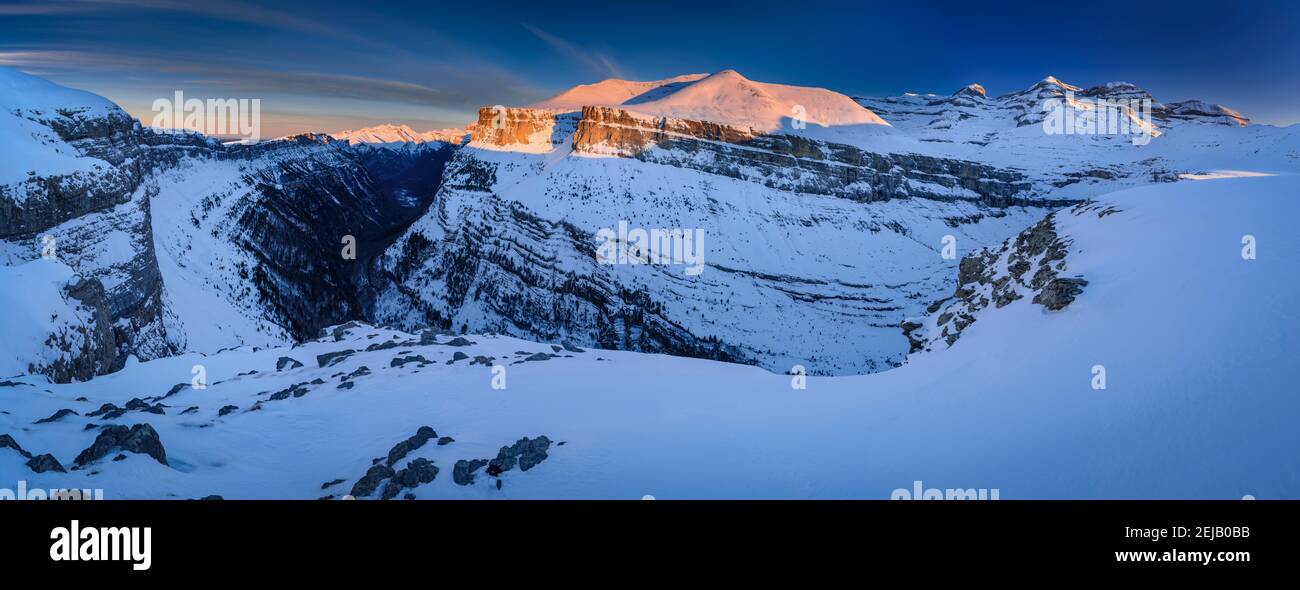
(326, 66)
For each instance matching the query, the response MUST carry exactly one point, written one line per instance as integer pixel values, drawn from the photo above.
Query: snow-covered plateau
(920, 288)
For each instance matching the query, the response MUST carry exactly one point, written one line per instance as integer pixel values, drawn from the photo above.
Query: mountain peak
(971, 90)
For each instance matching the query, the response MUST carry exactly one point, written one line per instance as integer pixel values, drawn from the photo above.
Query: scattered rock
(7, 441)
(56, 416)
(570, 347)
(46, 462)
(331, 483)
(226, 410)
(286, 363)
(459, 356)
(174, 390)
(525, 452)
(140, 438)
(463, 472)
(458, 341)
(418, 471)
(104, 410)
(332, 358)
(415, 358)
(446, 440)
(403, 448)
(190, 410)
(371, 480)
(347, 384)
(91, 426)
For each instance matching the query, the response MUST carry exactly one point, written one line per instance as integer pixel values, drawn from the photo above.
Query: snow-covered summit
(613, 92)
(23, 94)
(731, 99)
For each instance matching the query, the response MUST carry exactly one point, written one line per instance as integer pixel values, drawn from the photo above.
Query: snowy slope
(31, 109)
(1196, 342)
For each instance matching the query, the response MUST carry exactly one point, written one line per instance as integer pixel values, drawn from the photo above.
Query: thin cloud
(595, 62)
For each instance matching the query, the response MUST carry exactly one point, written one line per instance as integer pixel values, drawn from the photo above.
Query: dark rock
(415, 358)
(286, 363)
(403, 448)
(175, 390)
(368, 483)
(43, 463)
(119, 457)
(347, 385)
(190, 410)
(1060, 292)
(331, 483)
(81, 399)
(140, 438)
(103, 410)
(463, 472)
(458, 341)
(331, 358)
(525, 452)
(459, 356)
(571, 347)
(91, 426)
(226, 410)
(419, 471)
(7, 441)
(211, 497)
(56, 416)
(446, 440)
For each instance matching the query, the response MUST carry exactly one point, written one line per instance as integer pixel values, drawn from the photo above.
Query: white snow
(32, 308)
(1198, 346)
(389, 133)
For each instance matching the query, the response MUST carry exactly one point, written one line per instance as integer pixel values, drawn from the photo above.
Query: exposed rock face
(491, 257)
(794, 163)
(530, 129)
(1028, 266)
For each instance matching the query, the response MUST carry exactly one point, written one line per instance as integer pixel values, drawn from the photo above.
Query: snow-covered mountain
(925, 240)
(816, 249)
(389, 133)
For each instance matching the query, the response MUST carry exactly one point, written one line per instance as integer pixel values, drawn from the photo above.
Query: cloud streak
(595, 62)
